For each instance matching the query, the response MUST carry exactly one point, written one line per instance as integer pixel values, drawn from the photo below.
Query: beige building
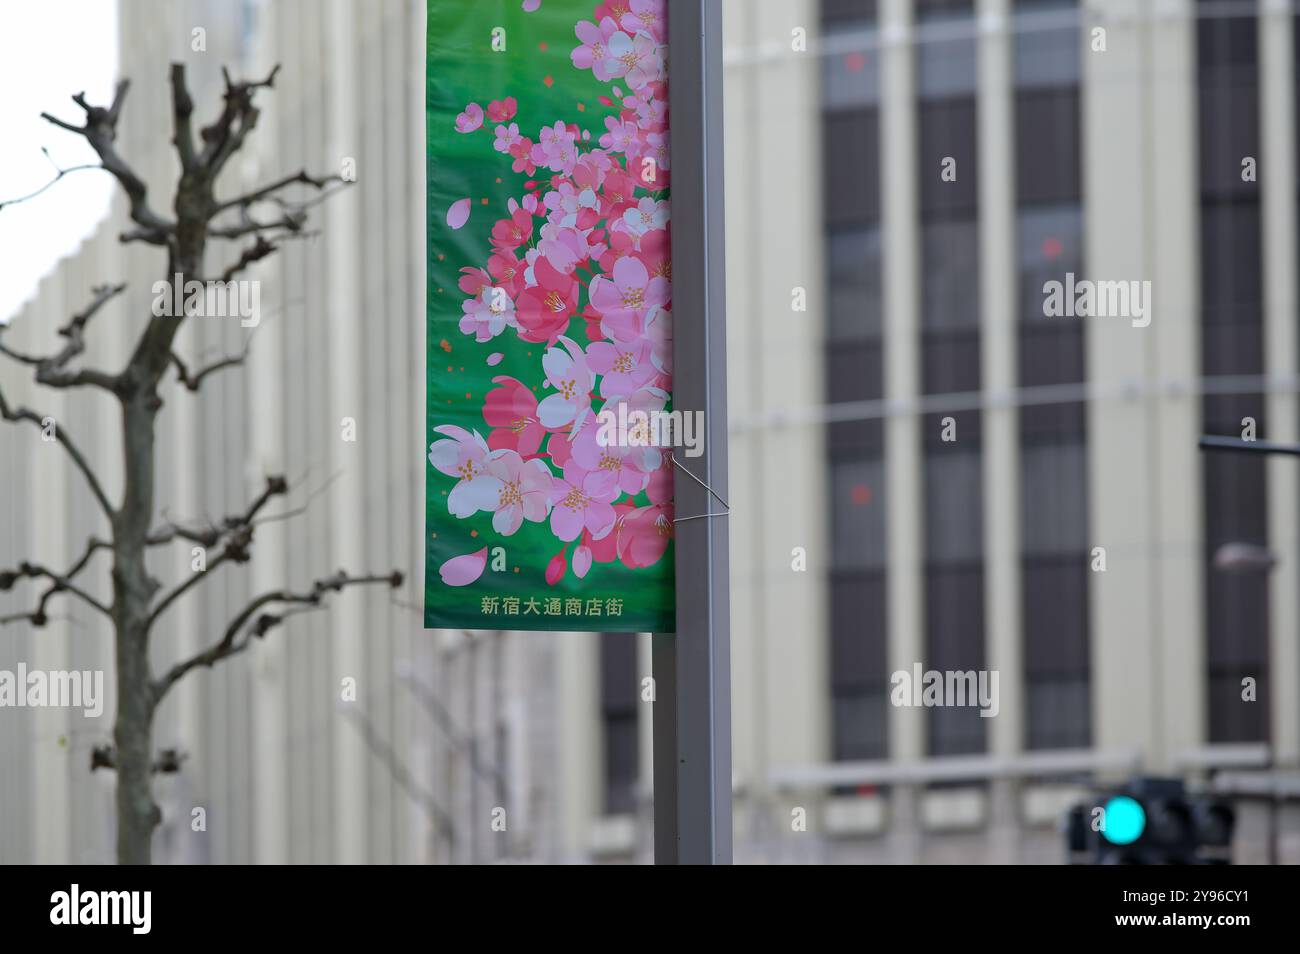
(862, 542)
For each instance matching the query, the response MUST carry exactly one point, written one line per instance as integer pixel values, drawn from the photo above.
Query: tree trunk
(133, 588)
(137, 815)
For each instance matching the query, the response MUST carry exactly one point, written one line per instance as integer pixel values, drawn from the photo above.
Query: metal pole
(1216, 443)
(692, 668)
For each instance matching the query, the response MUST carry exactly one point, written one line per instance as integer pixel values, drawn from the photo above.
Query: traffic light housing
(1150, 821)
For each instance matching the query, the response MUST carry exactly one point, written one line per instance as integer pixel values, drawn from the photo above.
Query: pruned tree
(139, 602)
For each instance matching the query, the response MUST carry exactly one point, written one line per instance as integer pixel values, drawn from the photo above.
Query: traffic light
(1150, 821)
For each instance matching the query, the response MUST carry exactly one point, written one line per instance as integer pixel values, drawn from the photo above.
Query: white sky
(49, 49)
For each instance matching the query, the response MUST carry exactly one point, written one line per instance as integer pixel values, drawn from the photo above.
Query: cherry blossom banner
(548, 493)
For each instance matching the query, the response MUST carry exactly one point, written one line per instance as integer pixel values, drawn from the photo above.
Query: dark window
(954, 630)
(1232, 343)
(618, 700)
(950, 361)
(1053, 451)
(853, 361)
(850, 151)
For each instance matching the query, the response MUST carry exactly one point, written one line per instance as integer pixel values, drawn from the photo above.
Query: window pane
(953, 506)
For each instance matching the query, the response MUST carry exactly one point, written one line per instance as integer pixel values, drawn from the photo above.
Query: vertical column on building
(790, 677)
(1175, 489)
(1122, 489)
(1277, 165)
(347, 619)
(902, 369)
(998, 310)
(49, 544)
(269, 662)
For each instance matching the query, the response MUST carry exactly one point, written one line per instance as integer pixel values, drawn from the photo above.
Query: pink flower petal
(531, 5)
(458, 214)
(555, 569)
(464, 570)
(494, 359)
(582, 561)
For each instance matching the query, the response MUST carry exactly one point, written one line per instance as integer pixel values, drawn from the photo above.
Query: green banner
(548, 491)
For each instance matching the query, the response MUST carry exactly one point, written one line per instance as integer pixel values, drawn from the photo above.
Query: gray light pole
(692, 668)
(1250, 558)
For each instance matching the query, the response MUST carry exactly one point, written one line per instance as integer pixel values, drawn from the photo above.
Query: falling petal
(582, 561)
(555, 569)
(458, 214)
(531, 5)
(464, 570)
(494, 359)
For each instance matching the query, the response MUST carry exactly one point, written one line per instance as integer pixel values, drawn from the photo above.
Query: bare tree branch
(231, 642)
(59, 173)
(254, 253)
(193, 381)
(52, 371)
(38, 617)
(224, 137)
(60, 583)
(402, 775)
(168, 762)
(257, 195)
(293, 215)
(238, 532)
(182, 110)
(61, 435)
(100, 130)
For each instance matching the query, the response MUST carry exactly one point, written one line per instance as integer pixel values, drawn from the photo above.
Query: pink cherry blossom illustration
(512, 232)
(502, 110)
(619, 135)
(646, 16)
(647, 216)
(644, 535)
(594, 52)
(510, 409)
(636, 59)
(544, 311)
(458, 213)
(581, 500)
(555, 570)
(488, 314)
(581, 561)
(599, 260)
(567, 372)
(623, 368)
(507, 137)
(556, 149)
(525, 492)
(460, 454)
(618, 458)
(624, 300)
(464, 570)
(471, 119)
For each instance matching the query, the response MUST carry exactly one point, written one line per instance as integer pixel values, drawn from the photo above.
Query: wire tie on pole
(713, 493)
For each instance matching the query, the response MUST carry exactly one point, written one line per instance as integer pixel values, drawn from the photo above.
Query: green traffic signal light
(1125, 820)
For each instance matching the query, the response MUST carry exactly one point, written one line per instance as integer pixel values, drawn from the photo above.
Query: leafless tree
(139, 601)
